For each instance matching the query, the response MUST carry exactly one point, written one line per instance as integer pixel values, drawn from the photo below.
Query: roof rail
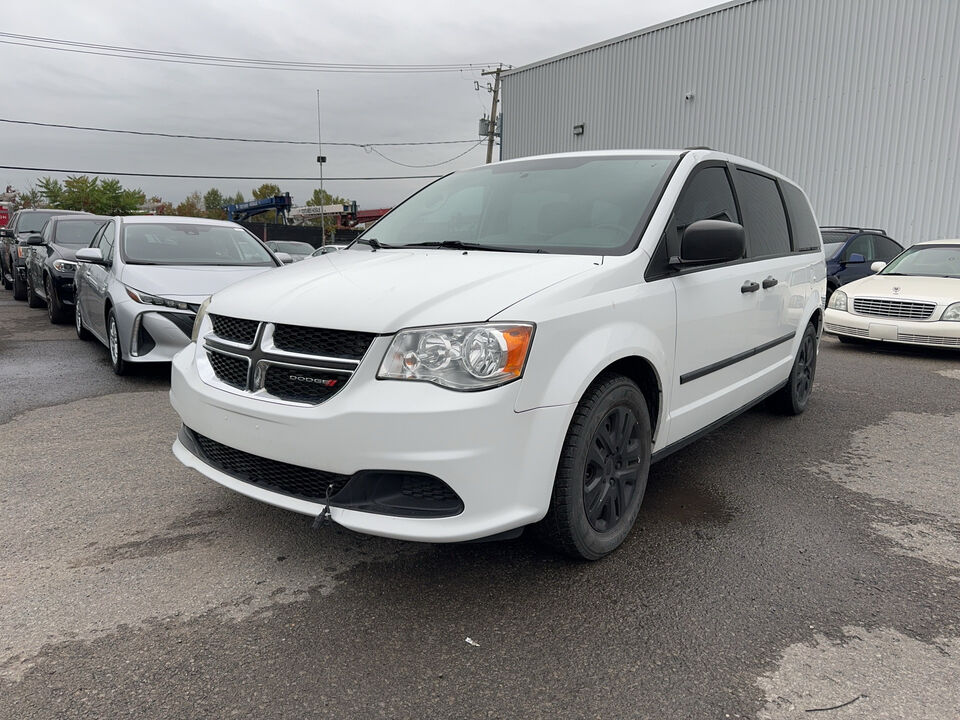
(853, 228)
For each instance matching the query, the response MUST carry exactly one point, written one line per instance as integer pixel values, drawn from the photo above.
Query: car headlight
(64, 266)
(146, 299)
(838, 301)
(459, 357)
(952, 312)
(201, 314)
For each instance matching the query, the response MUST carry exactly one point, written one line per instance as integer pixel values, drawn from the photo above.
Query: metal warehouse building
(857, 100)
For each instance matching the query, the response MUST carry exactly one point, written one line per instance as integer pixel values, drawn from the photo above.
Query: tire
(602, 473)
(19, 286)
(793, 397)
(33, 300)
(117, 362)
(3, 276)
(82, 332)
(55, 309)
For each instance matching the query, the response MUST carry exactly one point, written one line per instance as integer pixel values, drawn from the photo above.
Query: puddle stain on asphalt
(94, 545)
(878, 674)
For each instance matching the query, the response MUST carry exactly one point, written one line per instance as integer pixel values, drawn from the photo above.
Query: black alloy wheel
(602, 473)
(793, 397)
(19, 286)
(55, 309)
(82, 332)
(3, 274)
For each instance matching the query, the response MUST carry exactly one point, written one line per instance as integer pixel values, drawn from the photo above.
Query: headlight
(952, 313)
(838, 301)
(459, 357)
(64, 266)
(201, 314)
(142, 297)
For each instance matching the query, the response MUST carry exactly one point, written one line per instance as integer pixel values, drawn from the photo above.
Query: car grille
(296, 480)
(903, 309)
(229, 369)
(302, 385)
(846, 330)
(287, 363)
(929, 339)
(319, 341)
(427, 488)
(235, 330)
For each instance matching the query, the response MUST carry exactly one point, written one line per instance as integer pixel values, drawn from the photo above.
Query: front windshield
(34, 222)
(296, 248)
(191, 244)
(575, 205)
(928, 261)
(77, 233)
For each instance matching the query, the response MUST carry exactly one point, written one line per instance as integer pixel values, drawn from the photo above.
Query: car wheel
(113, 344)
(793, 397)
(19, 286)
(55, 309)
(3, 276)
(33, 300)
(82, 332)
(602, 473)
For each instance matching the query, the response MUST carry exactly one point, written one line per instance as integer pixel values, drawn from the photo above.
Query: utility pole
(493, 110)
(321, 159)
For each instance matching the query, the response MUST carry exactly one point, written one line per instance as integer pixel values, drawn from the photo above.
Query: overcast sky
(67, 88)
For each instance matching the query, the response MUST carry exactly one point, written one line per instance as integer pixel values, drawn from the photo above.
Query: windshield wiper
(376, 244)
(460, 245)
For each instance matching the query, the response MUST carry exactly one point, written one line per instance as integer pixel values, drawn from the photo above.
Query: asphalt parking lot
(780, 566)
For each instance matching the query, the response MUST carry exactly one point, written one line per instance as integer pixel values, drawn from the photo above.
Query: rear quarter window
(764, 217)
(806, 234)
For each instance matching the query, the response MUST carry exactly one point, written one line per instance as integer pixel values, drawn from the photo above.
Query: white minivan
(513, 345)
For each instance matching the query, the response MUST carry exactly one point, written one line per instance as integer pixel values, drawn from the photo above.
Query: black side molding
(696, 374)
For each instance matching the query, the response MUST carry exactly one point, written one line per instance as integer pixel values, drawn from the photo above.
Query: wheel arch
(642, 372)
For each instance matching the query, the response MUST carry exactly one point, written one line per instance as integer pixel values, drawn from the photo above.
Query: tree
(192, 206)
(213, 202)
(266, 190)
(52, 190)
(322, 197)
(80, 192)
(114, 199)
(32, 198)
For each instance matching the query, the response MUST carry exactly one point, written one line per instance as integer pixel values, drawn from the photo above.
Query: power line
(230, 139)
(429, 165)
(181, 58)
(212, 177)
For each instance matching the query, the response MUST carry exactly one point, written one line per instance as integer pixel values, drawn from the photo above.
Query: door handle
(769, 282)
(749, 286)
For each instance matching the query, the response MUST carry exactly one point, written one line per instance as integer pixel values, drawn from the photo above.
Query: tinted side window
(764, 218)
(863, 245)
(885, 249)
(707, 196)
(806, 234)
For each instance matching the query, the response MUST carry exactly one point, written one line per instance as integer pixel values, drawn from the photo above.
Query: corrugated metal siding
(857, 100)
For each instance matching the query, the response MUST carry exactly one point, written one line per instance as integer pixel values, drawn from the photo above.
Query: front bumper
(64, 288)
(935, 333)
(151, 334)
(499, 462)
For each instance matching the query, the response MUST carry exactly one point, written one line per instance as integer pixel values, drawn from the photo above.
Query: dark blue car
(849, 252)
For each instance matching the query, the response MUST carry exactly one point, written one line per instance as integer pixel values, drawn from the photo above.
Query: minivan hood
(909, 287)
(386, 290)
(185, 281)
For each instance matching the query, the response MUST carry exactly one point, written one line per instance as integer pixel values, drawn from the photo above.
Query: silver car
(142, 280)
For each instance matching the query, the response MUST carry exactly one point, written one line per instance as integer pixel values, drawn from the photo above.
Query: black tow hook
(323, 519)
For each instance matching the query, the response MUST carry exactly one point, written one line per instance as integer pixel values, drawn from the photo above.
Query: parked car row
(133, 283)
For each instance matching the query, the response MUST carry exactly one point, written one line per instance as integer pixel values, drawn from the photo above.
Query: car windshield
(928, 261)
(77, 233)
(191, 244)
(34, 222)
(297, 248)
(575, 205)
(830, 248)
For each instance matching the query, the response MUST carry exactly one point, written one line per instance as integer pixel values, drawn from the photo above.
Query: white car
(513, 345)
(915, 299)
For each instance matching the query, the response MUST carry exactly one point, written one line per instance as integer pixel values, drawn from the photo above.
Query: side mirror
(283, 257)
(856, 258)
(710, 241)
(877, 266)
(90, 255)
(6, 232)
(35, 240)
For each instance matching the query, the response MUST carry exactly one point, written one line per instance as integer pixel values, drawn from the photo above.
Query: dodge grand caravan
(513, 345)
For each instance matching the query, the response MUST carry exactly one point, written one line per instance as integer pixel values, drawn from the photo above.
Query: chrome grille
(929, 339)
(846, 330)
(903, 309)
(235, 330)
(283, 363)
